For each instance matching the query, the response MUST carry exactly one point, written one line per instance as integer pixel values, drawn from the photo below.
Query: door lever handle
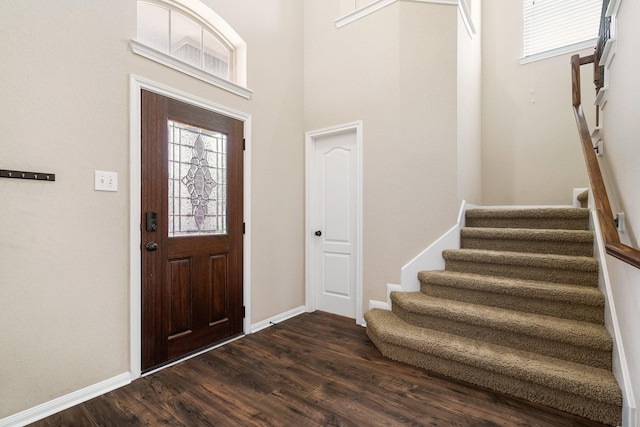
(151, 246)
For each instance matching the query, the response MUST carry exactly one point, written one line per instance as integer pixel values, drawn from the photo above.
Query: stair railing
(612, 243)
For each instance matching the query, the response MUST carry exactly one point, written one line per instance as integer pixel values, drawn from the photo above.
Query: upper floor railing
(612, 243)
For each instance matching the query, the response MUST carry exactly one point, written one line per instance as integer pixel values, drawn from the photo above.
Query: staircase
(517, 310)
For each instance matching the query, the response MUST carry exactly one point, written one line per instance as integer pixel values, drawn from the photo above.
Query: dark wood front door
(191, 227)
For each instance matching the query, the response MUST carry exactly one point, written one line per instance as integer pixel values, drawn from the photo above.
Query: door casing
(310, 267)
(136, 84)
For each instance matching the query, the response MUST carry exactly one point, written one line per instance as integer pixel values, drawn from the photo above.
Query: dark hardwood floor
(313, 370)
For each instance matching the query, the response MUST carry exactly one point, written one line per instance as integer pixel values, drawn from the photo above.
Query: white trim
(378, 5)
(54, 406)
(309, 141)
(431, 257)
(373, 304)
(575, 47)
(467, 18)
(385, 305)
(608, 53)
(173, 62)
(362, 12)
(601, 98)
(623, 376)
(274, 320)
(612, 8)
(135, 270)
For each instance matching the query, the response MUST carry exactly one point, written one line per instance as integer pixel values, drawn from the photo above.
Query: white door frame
(310, 267)
(136, 84)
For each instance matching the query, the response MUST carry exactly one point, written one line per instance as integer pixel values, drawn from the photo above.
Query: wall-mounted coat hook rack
(39, 176)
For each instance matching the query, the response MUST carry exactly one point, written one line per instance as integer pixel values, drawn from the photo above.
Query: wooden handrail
(612, 242)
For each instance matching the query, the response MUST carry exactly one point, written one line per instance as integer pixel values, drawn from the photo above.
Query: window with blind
(555, 27)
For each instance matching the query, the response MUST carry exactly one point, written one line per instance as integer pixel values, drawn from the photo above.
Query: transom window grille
(197, 181)
(172, 32)
(560, 26)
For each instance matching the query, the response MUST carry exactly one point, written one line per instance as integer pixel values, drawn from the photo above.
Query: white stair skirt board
(428, 259)
(61, 403)
(620, 368)
(431, 257)
(274, 320)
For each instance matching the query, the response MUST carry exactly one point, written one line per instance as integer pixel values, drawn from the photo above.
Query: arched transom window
(188, 36)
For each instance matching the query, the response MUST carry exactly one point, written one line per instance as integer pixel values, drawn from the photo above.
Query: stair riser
(545, 274)
(565, 310)
(572, 353)
(540, 247)
(534, 223)
(579, 405)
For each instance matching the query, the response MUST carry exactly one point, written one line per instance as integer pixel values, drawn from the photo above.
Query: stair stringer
(620, 368)
(429, 259)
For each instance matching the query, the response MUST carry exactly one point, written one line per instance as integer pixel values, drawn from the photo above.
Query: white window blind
(555, 24)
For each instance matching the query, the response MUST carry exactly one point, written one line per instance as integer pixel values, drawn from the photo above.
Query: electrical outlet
(106, 181)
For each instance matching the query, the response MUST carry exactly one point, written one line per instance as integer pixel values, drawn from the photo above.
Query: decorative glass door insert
(197, 181)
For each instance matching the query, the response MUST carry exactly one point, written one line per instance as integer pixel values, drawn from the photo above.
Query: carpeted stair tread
(582, 390)
(594, 383)
(584, 303)
(548, 218)
(563, 330)
(561, 242)
(578, 270)
(525, 288)
(517, 309)
(583, 198)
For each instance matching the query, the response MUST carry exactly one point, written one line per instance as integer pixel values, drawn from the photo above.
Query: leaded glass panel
(197, 181)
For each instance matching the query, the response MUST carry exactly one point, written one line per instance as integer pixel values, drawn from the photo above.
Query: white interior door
(333, 222)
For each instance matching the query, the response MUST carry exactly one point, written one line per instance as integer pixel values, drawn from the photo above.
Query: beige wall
(530, 149)
(64, 251)
(409, 72)
(469, 100)
(621, 167)
(396, 71)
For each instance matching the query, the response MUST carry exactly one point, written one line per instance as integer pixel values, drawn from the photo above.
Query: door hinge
(244, 228)
(244, 312)
(244, 144)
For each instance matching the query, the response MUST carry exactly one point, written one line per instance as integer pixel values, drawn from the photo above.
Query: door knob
(318, 233)
(151, 246)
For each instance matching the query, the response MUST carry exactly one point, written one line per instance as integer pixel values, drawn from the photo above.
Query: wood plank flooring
(316, 369)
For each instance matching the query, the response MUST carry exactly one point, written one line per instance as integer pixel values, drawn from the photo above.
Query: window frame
(553, 51)
(209, 21)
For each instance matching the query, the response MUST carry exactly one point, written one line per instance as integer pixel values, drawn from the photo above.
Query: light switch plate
(106, 181)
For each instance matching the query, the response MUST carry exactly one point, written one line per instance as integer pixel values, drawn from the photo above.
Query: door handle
(318, 233)
(151, 246)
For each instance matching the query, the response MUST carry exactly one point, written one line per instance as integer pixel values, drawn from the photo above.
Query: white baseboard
(277, 318)
(61, 403)
(79, 396)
